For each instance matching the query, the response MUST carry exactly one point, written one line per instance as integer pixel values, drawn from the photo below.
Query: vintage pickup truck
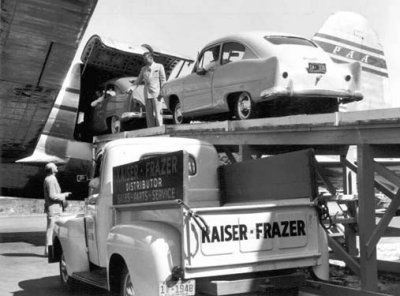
(164, 218)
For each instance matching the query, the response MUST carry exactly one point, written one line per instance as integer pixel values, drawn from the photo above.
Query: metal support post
(366, 217)
(244, 152)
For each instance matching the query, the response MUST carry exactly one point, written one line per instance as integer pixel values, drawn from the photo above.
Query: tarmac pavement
(24, 270)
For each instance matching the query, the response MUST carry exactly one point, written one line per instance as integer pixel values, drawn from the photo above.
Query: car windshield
(285, 40)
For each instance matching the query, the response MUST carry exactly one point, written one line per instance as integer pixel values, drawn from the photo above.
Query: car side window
(209, 58)
(232, 52)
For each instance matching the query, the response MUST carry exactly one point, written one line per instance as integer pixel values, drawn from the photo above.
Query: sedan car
(256, 74)
(116, 109)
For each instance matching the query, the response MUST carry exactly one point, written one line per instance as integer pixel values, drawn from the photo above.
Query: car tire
(114, 125)
(66, 281)
(244, 107)
(126, 288)
(177, 116)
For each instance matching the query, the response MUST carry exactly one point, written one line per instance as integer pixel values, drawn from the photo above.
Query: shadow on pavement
(51, 286)
(34, 238)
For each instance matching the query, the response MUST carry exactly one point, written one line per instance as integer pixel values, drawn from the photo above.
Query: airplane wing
(39, 39)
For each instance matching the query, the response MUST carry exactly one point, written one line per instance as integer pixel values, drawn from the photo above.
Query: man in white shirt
(153, 76)
(53, 199)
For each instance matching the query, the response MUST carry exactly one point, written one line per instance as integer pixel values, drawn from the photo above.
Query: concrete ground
(24, 270)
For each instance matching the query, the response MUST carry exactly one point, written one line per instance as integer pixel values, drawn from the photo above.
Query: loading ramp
(375, 134)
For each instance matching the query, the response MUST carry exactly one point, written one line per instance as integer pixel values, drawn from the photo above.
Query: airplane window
(232, 51)
(285, 40)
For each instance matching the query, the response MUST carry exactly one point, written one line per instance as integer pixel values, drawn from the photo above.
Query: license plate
(316, 68)
(180, 288)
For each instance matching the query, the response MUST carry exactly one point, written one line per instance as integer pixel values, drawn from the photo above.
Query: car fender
(172, 88)
(252, 76)
(150, 251)
(71, 235)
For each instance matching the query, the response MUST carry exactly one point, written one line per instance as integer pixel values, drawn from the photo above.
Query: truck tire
(244, 107)
(68, 282)
(126, 284)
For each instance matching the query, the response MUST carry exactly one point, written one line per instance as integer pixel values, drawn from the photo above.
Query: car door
(197, 87)
(230, 77)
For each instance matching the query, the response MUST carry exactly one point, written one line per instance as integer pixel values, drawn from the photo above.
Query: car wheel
(244, 107)
(177, 115)
(68, 282)
(114, 125)
(126, 284)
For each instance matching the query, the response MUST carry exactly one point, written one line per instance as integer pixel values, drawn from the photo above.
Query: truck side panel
(71, 234)
(246, 239)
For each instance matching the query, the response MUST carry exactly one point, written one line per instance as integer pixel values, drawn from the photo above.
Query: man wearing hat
(153, 76)
(53, 201)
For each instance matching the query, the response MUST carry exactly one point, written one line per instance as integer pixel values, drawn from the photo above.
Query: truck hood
(124, 58)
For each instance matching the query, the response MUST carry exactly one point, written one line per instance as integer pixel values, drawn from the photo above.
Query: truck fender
(70, 236)
(322, 271)
(150, 250)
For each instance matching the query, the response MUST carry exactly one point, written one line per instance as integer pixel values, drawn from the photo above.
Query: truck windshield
(285, 40)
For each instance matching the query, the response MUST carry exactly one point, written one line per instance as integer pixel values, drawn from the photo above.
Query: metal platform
(375, 133)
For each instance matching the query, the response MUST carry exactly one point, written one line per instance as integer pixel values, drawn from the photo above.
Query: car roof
(251, 36)
(252, 39)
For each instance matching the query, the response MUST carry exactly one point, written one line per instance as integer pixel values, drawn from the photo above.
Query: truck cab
(163, 218)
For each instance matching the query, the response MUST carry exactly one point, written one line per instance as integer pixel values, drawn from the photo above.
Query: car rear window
(280, 40)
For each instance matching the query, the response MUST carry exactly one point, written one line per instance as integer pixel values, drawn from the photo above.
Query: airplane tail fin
(348, 37)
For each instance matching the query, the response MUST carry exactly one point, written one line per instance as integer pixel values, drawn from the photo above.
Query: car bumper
(344, 97)
(127, 116)
(132, 115)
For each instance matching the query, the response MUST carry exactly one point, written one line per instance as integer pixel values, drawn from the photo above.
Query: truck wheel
(66, 280)
(113, 124)
(244, 107)
(126, 284)
(177, 115)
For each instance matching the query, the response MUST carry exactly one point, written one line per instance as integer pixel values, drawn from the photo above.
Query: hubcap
(63, 269)
(178, 114)
(244, 105)
(128, 286)
(115, 125)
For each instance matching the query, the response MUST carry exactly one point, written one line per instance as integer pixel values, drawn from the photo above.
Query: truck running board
(96, 278)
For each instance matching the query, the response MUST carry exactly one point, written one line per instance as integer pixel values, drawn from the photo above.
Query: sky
(184, 26)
